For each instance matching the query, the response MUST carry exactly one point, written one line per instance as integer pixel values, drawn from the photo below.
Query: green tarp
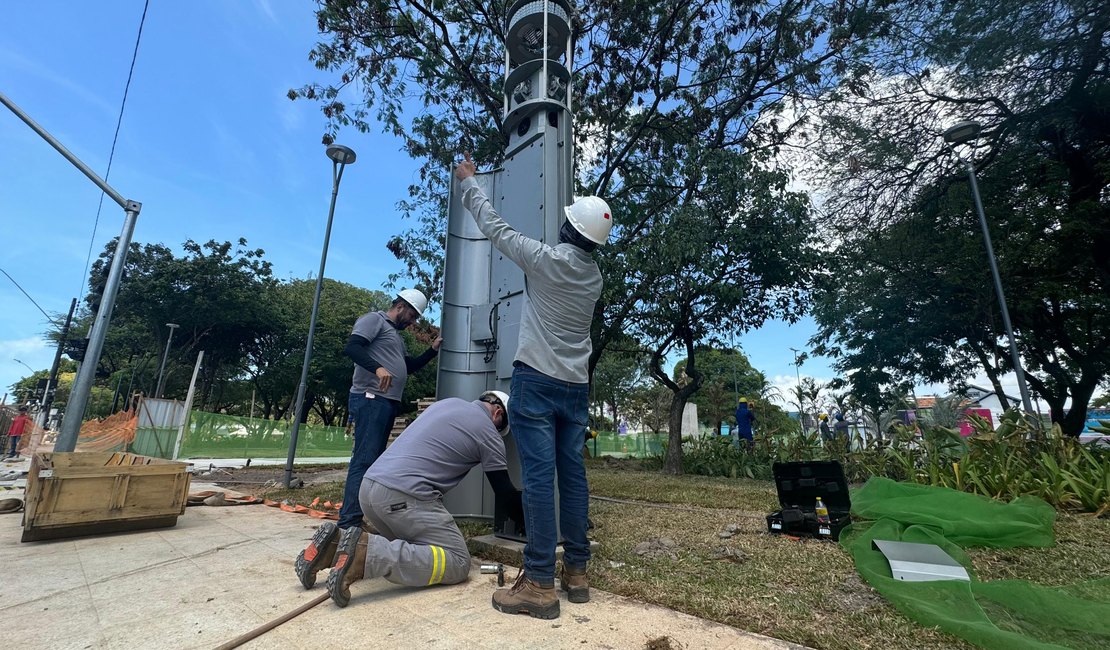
(1003, 614)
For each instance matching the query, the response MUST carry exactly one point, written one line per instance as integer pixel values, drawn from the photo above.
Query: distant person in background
(20, 424)
(840, 431)
(823, 426)
(744, 421)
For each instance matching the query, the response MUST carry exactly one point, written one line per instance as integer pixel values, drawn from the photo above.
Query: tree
(651, 406)
(727, 376)
(219, 293)
(680, 106)
(1035, 74)
(615, 376)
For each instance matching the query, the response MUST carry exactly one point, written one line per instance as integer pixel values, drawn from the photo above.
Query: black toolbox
(799, 484)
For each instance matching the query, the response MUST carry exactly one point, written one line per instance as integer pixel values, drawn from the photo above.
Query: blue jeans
(373, 420)
(548, 420)
(15, 443)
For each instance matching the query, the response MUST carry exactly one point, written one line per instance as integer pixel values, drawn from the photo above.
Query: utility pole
(52, 382)
(162, 366)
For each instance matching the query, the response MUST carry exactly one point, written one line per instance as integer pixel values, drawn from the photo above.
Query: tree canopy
(911, 295)
(251, 326)
(678, 109)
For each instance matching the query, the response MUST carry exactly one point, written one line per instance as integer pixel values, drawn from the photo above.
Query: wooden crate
(70, 494)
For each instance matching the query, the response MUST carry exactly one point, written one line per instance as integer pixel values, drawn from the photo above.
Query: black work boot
(573, 581)
(527, 597)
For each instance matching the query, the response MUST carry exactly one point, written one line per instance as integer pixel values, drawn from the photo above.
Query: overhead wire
(48, 316)
(115, 139)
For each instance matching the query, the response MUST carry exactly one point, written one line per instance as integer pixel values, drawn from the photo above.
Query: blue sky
(209, 144)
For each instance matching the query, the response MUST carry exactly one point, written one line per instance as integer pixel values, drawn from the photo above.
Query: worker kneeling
(417, 541)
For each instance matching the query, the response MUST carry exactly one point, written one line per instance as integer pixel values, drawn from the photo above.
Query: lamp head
(340, 154)
(962, 132)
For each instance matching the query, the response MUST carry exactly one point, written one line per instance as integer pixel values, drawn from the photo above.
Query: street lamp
(340, 157)
(798, 375)
(960, 133)
(162, 366)
(31, 371)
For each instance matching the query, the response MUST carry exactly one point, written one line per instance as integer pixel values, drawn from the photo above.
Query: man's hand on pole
(466, 168)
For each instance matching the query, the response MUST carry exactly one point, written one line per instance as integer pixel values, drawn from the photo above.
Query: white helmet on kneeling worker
(502, 400)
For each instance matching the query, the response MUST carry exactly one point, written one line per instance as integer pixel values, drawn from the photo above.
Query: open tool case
(799, 484)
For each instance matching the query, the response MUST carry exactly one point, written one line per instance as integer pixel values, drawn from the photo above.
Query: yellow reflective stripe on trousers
(438, 565)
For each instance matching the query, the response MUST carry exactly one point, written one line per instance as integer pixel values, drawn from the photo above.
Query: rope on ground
(262, 629)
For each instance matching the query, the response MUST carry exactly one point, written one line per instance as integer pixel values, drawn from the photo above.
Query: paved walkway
(221, 572)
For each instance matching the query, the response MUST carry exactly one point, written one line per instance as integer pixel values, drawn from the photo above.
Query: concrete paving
(224, 571)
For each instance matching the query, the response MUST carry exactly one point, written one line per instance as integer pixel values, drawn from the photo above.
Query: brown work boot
(350, 565)
(319, 554)
(527, 597)
(573, 581)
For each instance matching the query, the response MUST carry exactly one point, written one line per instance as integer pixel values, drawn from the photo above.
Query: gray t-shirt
(562, 285)
(387, 348)
(438, 449)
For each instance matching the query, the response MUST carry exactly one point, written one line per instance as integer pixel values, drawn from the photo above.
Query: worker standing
(549, 390)
(744, 420)
(381, 370)
(20, 425)
(417, 541)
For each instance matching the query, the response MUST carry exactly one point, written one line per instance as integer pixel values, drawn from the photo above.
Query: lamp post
(340, 157)
(29, 370)
(798, 375)
(960, 133)
(162, 366)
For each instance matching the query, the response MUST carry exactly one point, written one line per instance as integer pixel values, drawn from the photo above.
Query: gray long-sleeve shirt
(562, 284)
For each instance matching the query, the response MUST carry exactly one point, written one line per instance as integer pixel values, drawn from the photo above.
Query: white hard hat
(504, 399)
(414, 298)
(590, 216)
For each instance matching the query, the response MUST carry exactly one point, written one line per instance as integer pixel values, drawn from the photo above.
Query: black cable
(115, 138)
(48, 317)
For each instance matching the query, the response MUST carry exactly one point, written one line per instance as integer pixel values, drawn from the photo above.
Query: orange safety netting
(113, 433)
(325, 510)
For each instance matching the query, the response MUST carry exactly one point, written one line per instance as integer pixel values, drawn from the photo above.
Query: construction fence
(152, 429)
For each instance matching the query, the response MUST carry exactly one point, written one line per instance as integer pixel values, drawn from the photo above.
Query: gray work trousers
(418, 543)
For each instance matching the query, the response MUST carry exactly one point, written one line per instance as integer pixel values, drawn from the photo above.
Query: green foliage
(680, 106)
(251, 327)
(1021, 457)
(910, 294)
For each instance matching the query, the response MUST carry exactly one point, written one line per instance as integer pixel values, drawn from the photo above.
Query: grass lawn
(699, 545)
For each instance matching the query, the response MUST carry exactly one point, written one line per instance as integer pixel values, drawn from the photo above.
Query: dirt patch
(856, 595)
(655, 549)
